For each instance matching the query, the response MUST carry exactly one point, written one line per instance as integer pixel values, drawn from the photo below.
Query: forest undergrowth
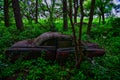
(106, 67)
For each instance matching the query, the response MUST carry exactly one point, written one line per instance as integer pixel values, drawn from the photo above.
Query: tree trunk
(73, 31)
(51, 11)
(36, 14)
(75, 10)
(103, 16)
(80, 34)
(52, 22)
(99, 19)
(70, 9)
(6, 13)
(91, 17)
(65, 20)
(17, 14)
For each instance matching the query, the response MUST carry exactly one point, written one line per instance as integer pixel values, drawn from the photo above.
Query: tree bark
(70, 9)
(6, 12)
(91, 17)
(65, 20)
(73, 31)
(75, 10)
(102, 14)
(36, 14)
(17, 14)
(80, 34)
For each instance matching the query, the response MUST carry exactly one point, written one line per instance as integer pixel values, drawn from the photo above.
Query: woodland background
(86, 20)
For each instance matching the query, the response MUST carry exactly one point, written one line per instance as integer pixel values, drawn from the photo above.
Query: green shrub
(79, 76)
(115, 23)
